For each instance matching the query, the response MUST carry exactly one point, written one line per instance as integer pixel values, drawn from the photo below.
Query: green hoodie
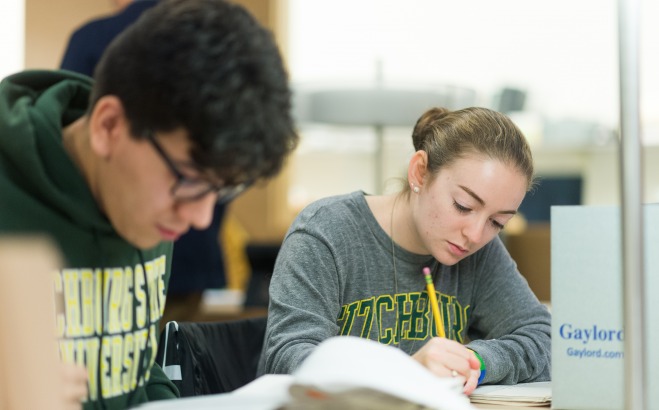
(108, 319)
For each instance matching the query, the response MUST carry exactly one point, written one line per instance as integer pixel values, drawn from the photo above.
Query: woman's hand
(74, 385)
(448, 358)
(472, 380)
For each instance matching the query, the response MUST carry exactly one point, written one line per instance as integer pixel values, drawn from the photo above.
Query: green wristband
(483, 370)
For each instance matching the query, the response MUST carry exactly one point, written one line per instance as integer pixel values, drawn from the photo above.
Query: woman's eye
(496, 224)
(460, 208)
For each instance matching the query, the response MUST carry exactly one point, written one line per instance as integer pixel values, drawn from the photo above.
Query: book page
(353, 369)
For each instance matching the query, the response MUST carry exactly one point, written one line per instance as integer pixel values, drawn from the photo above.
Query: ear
(107, 125)
(417, 170)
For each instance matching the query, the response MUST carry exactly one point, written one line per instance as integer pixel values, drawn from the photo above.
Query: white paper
(342, 363)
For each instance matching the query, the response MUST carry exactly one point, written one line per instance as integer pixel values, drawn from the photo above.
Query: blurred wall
(48, 25)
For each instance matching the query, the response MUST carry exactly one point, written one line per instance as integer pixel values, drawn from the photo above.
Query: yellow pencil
(432, 298)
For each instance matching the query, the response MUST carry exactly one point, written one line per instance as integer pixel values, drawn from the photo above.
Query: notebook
(522, 394)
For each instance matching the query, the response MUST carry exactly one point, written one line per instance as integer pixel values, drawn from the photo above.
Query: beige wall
(48, 25)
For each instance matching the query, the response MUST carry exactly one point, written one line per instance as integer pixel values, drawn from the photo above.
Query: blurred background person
(87, 43)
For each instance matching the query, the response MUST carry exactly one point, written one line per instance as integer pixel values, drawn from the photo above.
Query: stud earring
(416, 189)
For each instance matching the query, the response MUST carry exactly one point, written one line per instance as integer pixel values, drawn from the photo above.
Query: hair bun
(427, 118)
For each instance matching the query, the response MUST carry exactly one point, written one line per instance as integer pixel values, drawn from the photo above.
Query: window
(12, 36)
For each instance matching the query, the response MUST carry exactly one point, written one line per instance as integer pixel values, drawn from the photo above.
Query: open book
(347, 372)
(523, 394)
(343, 373)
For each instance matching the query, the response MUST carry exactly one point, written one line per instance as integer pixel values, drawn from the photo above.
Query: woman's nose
(473, 231)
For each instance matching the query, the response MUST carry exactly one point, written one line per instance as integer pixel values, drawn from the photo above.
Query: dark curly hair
(209, 67)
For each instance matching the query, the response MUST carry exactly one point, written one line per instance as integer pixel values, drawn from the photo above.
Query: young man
(198, 260)
(190, 106)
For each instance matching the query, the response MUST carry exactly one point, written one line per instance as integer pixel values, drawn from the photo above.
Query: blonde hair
(447, 136)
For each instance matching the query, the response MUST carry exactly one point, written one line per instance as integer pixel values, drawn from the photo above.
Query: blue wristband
(483, 370)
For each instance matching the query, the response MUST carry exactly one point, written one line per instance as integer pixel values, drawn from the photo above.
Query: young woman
(353, 264)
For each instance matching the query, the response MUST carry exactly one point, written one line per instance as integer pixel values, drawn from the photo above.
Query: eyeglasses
(187, 189)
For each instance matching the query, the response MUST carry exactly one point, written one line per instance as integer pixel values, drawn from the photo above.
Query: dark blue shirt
(88, 42)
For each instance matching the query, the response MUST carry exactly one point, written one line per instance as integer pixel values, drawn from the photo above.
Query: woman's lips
(457, 250)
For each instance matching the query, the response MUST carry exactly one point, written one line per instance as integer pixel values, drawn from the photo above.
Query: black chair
(210, 358)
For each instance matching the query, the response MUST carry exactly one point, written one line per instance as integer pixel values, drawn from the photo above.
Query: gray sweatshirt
(335, 275)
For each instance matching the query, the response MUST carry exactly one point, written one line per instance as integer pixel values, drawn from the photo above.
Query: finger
(472, 382)
(459, 364)
(73, 406)
(438, 368)
(73, 396)
(73, 373)
(457, 349)
(445, 366)
(474, 363)
(74, 385)
(443, 357)
(74, 391)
